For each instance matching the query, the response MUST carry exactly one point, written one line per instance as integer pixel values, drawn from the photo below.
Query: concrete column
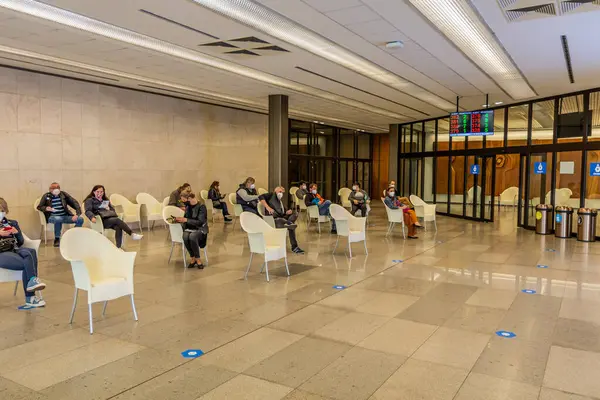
(278, 141)
(394, 148)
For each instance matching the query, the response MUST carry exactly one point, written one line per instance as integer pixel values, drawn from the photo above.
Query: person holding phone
(409, 216)
(175, 198)
(195, 229)
(284, 218)
(214, 194)
(55, 206)
(17, 258)
(97, 205)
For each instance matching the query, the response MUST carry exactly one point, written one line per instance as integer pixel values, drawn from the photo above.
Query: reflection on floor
(424, 328)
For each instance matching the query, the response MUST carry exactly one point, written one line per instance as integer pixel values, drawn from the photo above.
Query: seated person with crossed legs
(358, 198)
(410, 218)
(195, 229)
(283, 218)
(313, 198)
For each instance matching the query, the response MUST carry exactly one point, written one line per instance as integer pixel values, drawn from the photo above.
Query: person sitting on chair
(175, 196)
(215, 195)
(195, 229)
(283, 218)
(17, 258)
(97, 204)
(55, 206)
(314, 199)
(410, 218)
(302, 191)
(358, 198)
(247, 196)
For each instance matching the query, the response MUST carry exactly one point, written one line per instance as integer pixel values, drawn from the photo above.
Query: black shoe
(228, 220)
(291, 225)
(419, 226)
(297, 250)
(57, 242)
(199, 266)
(413, 237)
(334, 231)
(192, 265)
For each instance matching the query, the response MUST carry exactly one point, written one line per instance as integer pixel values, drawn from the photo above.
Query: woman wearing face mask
(313, 198)
(97, 205)
(302, 191)
(214, 194)
(358, 198)
(195, 229)
(410, 218)
(17, 258)
(175, 196)
(247, 196)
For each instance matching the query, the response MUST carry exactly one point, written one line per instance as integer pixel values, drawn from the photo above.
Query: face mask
(313, 191)
(392, 194)
(56, 192)
(2, 215)
(252, 186)
(303, 187)
(279, 195)
(355, 188)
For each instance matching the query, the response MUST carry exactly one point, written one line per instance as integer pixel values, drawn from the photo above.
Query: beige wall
(81, 134)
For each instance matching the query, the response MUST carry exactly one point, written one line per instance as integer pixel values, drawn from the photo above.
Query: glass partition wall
(542, 151)
(330, 156)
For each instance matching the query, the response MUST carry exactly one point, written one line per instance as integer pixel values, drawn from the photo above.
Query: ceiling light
(498, 103)
(485, 105)
(316, 122)
(193, 91)
(270, 22)
(68, 18)
(463, 26)
(396, 44)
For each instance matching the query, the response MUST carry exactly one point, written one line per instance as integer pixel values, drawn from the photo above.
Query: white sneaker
(136, 236)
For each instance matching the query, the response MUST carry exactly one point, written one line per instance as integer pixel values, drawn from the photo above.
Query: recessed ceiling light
(257, 16)
(396, 44)
(86, 24)
(462, 25)
(316, 122)
(498, 103)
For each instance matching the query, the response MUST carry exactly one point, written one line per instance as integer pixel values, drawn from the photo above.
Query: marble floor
(418, 320)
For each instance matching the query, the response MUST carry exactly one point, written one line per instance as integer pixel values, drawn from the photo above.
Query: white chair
(384, 193)
(509, 197)
(237, 209)
(349, 226)
(266, 217)
(176, 232)
(165, 201)
(293, 191)
(131, 211)
(210, 209)
(153, 208)
(262, 191)
(46, 226)
(473, 192)
(8, 275)
(344, 193)
(98, 226)
(303, 207)
(424, 210)
(264, 240)
(99, 268)
(313, 213)
(394, 217)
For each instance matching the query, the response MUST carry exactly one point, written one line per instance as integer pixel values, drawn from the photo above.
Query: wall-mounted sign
(539, 168)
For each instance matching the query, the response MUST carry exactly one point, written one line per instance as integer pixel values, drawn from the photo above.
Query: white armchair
(8, 275)
(98, 226)
(262, 191)
(473, 192)
(165, 201)
(45, 226)
(349, 226)
(302, 206)
(394, 217)
(210, 209)
(509, 197)
(176, 232)
(264, 240)
(313, 213)
(344, 193)
(152, 207)
(237, 209)
(131, 211)
(266, 217)
(424, 210)
(99, 268)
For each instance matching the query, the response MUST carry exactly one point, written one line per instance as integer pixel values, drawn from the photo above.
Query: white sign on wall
(567, 167)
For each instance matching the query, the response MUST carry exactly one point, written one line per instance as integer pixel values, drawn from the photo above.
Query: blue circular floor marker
(528, 291)
(192, 353)
(542, 266)
(396, 261)
(551, 250)
(339, 287)
(506, 334)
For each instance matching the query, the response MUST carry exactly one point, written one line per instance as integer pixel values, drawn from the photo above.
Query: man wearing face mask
(302, 191)
(283, 218)
(55, 206)
(247, 196)
(358, 198)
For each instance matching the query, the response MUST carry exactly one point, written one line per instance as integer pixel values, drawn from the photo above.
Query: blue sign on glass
(475, 169)
(540, 168)
(595, 169)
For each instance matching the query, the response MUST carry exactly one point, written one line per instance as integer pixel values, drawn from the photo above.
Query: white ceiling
(427, 59)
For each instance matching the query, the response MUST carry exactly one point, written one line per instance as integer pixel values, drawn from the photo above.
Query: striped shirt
(57, 205)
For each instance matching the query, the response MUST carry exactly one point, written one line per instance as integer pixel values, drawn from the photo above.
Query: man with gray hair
(55, 206)
(283, 217)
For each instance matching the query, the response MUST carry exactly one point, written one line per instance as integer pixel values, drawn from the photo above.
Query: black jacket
(67, 200)
(196, 218)
(251, 196)
(215, 196)
(276, 204)
(19, 235)
(92, 208)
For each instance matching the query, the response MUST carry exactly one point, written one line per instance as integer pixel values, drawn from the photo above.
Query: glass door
(539, 184)
(480, 189)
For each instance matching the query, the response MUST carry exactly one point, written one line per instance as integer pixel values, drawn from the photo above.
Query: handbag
(8, 244)
(107, 214)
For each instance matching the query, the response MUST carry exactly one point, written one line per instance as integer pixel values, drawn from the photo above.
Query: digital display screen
(476, 123)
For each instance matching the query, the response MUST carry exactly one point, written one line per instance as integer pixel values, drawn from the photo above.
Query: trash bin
(586, 224)
(543, 219)
(564, 222)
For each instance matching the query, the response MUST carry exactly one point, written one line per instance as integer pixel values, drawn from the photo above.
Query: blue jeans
(59, 220)
(24, 260)
(324, 210)
(222, 206)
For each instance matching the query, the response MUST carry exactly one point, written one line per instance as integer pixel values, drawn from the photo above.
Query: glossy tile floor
(420, 328)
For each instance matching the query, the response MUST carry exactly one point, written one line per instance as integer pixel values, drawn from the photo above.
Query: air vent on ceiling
(248, 46)
(573, 6)
(567, 54)
(273, 48)
(245, 52)
(151, 14)
(219, 44)
(251, 39)
(530, 12)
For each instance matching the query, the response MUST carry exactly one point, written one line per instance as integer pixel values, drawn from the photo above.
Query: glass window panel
(364, 145)
(346, 143)
(441, 184)
(517, 125)
(323, 143)
(542, 124)
(299, 130)
(429, 135)
(595, 109)
(443, 137)
(592, 192)
(497, 139)
(570, 119)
